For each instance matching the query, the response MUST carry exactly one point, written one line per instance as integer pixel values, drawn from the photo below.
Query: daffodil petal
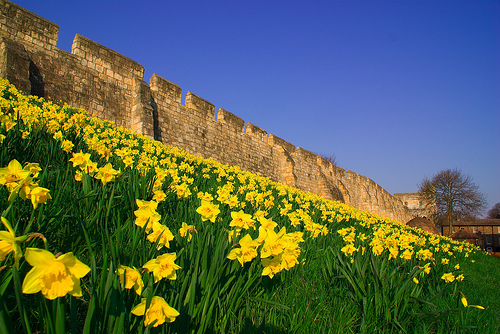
(140, 309)
(7, 225)
(31, 283)
(39, 257)
(6, 236)
(75, 267)
(77, 290)
(150, 265)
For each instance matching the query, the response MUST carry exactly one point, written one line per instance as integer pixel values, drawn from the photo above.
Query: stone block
(111, 86)
(169, 91)
(276, 141)
(233, 121)
(197, 103)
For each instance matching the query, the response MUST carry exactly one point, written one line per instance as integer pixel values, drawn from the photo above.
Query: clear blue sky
(397, 90)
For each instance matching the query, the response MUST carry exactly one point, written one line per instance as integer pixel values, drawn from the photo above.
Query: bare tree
(494, 212)
(330, 158)
(454, 194)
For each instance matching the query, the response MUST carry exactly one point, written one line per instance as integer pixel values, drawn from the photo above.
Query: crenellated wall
(112, 86)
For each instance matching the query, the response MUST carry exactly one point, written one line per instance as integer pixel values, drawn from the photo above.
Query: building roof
(477, 222)
(464, 235)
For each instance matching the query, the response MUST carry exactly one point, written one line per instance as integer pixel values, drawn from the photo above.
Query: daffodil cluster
(20, 181)
(255, 212)
(278, 251)
(161, 267)
(53, 277)
(158, 311)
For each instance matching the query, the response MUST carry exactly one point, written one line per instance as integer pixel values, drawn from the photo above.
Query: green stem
(19, 299)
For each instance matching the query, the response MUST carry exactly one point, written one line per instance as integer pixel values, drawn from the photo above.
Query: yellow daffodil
(80, 159)
(13, 173)
(448, 277)
(393, 252)
(39, 195)
(349, 249)
(33, 168)
(128, 161)
(146, 215)
(205, 196)
(231, 235)
(424, 254)
(153, 205)
(162, 234)
(407, 254)
(272, 266)
(182, 190)
(159, 196)
(106, 174)
(78, 176)
(10, 243)
(54, 277)
(289, 256)
(267, 223)
(7, 122)
(377, 249)
(246, 252)
(58, 136)
(130, 278)
(158, 312)
(186, 231)
(163, 267)
(67, 146)
(274, 243)
(208, 211)
(241, 220)
(350, 238)
(90, 168)
(232, 201)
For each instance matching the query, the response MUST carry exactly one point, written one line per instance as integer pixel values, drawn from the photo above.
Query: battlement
(231, 120)
(20, 24)
(106, 61)
(168, 90)
(112, 86)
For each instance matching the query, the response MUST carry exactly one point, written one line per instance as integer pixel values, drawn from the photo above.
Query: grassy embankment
(108, 231)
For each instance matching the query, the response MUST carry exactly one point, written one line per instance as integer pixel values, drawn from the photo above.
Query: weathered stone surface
(423, 224)
(416, 204)
(112, 87)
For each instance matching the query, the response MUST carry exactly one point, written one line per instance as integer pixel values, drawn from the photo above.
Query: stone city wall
(111, 86)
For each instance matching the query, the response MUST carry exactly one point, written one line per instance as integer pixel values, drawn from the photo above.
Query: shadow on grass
(262, 329)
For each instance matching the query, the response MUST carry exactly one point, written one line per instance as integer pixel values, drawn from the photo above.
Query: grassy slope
(314, 298)
(482, 286)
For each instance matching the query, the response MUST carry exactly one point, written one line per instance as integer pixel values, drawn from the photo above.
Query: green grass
(482, 287)
(328, 289)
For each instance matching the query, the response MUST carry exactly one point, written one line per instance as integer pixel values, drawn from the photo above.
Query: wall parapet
(112, 86)
(16, 22)
(106, 61)
(277, 141)
(255, 131)
(169, 90)
(237, 123)
(197, 103)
